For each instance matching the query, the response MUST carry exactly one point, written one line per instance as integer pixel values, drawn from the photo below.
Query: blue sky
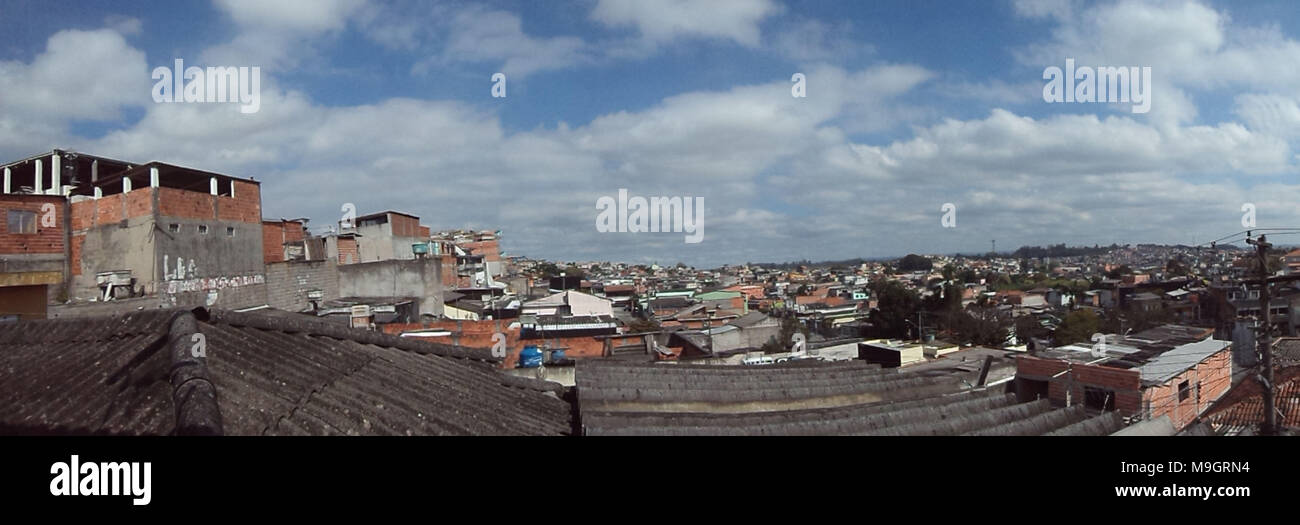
(910, 105)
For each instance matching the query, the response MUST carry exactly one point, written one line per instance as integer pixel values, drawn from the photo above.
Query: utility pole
(1265, 345)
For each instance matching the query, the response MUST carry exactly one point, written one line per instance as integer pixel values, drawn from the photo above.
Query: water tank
(530, 357)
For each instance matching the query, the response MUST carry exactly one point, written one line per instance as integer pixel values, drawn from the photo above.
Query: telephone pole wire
(1265, 344)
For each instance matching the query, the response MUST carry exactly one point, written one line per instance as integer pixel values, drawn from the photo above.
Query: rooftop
(263, 373)
(807, 398)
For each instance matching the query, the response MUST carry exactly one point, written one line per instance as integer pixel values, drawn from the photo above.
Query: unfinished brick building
(1172, 371)
(120, 230)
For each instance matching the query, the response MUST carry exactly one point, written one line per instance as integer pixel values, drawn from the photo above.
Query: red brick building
(1175, 375)
(33, 254)
(279, 237)
(91, 228)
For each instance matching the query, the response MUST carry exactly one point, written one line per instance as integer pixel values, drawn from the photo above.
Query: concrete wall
(222, 267)
(393, 278)
(124, 245)
(289, 283)
(390, 240)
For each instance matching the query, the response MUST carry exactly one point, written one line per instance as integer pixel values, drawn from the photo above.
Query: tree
(914, 263)
(782, 341)
(1028, 328)
(1176, 267)
(1078, 326)
(977, 326)
(896, 306)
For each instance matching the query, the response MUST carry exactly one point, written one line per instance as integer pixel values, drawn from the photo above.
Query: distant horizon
(826, 262)
(830, 128)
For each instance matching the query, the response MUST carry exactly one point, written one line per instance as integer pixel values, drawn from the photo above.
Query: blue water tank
(530, 357)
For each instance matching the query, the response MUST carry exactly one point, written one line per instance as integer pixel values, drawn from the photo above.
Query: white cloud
(812, 40)
(1270, 114)
(298, 16)
(498, 36)
(278, 34)
(666, 20)
(90, 75)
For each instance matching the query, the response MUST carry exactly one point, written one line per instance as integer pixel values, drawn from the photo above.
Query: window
(1099, 398)
(203, 229)
(174, 228)
(230, 231)
(1184, 390)
(21, 221)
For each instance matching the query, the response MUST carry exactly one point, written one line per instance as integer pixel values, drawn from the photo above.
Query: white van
(758, 360)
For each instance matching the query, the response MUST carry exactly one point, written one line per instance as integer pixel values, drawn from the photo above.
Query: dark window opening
(1099, 398)
(174, 228)
(1031, 390)
(203, 229)
(1184, 390)
(230, 231)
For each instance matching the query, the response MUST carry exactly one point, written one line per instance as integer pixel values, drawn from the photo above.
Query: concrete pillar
(94, 171)
(56, 174)
(212, 185)
(40, 177)
(8, 188)
(126, 185)
(153, 177)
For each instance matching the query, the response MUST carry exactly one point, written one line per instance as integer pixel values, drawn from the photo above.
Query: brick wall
(404, 226)
(138, 203)
(245, 206)
(348, 253)
(1126, 383)
(112, 209)
(274, 236)
(48, 238)
(75, 252)
(1214, 375)
(490, 250)
(449, 268)
(288, 283)
(186, 204)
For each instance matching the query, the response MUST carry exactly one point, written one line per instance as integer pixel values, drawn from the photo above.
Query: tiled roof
(262, 374)
(1241, 410)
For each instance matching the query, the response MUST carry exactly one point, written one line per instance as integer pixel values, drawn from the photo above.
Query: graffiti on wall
(207, 284)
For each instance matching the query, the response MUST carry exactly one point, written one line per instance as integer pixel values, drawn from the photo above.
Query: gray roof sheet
(132, 374)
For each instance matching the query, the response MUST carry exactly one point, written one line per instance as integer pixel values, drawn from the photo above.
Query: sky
(909, 106)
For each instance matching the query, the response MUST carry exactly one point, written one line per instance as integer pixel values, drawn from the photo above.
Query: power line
(1266, 348)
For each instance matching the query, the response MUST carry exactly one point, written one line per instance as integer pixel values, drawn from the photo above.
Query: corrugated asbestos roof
(810, 398)
(262, 374)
